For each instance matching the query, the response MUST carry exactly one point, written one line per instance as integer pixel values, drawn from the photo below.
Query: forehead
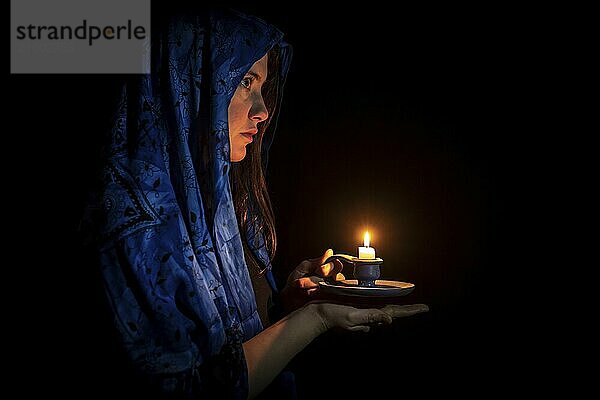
(260, 67)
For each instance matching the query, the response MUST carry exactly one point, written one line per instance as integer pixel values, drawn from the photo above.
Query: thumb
(321, 260)
(328, 253)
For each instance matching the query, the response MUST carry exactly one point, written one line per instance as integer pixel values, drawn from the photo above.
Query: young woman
(187, 233)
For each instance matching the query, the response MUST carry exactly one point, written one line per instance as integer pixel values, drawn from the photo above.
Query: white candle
(365, 252)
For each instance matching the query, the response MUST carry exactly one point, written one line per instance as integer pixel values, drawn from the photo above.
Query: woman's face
(247, 109)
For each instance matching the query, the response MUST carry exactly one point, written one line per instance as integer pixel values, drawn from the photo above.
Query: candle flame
(367, 239)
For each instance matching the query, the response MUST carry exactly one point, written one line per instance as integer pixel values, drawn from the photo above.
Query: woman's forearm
(268, 352)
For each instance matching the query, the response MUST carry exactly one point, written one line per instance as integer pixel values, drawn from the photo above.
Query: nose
(258, 111)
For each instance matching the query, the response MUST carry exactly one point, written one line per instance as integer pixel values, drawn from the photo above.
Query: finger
(305, 267)
(337, 267)
(308, 282)
(328, 253)
(359, 328)
(397, 311)
(321, 259)
(325, 269)
(371, 316)
(330, 269)
(340, 277)
(310, 266)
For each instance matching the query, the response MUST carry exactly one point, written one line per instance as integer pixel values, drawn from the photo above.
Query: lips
(249, 134)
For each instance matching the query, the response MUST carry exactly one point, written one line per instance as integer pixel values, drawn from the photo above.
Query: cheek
(237, 111)
(234, 122)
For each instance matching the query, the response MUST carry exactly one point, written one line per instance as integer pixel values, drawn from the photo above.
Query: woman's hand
(303, 281)
(360, 319)
(309, 272)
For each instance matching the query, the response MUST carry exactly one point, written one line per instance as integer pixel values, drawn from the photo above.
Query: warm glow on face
(367, 239)
(246, 110)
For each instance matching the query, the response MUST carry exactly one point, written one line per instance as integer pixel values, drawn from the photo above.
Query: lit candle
(365, 252)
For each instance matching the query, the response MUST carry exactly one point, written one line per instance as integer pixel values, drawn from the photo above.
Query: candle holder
(366, 271)
(366, 283)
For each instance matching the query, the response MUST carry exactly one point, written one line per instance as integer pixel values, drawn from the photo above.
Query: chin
(238, 156)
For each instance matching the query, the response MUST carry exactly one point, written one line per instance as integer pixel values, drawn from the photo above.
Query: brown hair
(249, 187)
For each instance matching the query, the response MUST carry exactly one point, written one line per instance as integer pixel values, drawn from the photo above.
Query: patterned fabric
(171, 253)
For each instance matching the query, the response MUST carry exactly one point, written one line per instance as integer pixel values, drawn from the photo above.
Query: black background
(410, 122)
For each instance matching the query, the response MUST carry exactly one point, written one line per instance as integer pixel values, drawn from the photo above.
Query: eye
(246, 82)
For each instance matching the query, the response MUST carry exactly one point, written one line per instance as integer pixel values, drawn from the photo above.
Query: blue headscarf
(171, 254)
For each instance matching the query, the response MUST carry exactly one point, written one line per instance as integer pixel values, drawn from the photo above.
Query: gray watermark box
(80, 36)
